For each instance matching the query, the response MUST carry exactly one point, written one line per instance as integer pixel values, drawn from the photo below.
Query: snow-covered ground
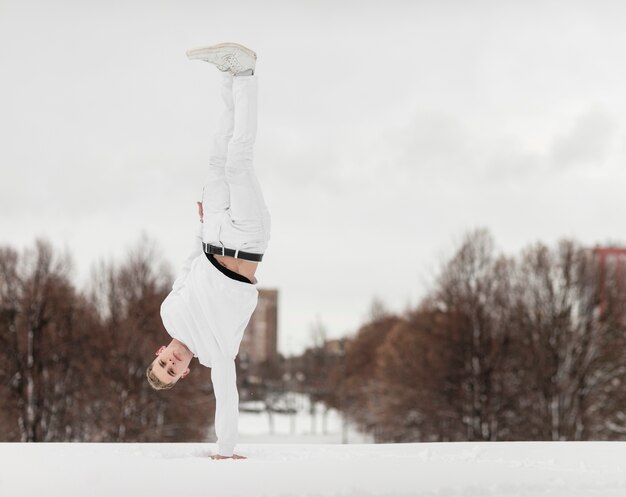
(304, 457)
(305, 425)
(288, 470)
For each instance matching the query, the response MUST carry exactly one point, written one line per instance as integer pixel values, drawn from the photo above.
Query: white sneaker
(226, 56)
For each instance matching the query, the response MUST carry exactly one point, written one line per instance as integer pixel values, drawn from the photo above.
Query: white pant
(235, 214)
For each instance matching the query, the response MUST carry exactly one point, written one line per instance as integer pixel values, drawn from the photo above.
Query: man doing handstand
(215, 293)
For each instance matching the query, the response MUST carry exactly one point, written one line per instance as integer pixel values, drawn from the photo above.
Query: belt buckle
(222, 247)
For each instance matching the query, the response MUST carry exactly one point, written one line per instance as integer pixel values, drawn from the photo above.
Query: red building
(610, 263)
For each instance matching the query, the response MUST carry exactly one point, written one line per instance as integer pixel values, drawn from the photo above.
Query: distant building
(610, 260)
(260, 340)
(610, 264)
(334, 346)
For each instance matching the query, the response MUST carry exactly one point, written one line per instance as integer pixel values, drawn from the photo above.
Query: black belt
(238, 254)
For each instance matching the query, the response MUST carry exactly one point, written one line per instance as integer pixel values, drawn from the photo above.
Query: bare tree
(474, 291)
(408, 390)
(128, 297)
(42, 325)
(358, 382)
(502, 349)
(576, 361)
(72, 368)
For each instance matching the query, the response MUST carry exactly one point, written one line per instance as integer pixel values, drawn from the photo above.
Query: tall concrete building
(260, 340)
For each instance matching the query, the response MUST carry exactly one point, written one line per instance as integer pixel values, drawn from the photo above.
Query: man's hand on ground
(234, 456)
(200, 212)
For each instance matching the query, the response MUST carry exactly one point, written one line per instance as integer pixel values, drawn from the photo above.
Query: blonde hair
(155, 382)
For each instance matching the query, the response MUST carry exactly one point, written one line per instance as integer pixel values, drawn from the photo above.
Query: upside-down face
(172, 362)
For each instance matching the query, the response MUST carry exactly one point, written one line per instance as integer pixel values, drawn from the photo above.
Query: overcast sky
(386, 131)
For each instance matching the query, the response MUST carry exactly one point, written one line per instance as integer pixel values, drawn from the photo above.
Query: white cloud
(587, 142)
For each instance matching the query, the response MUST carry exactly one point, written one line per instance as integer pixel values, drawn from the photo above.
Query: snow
(504, 469)
(303, 456)
(299, 427)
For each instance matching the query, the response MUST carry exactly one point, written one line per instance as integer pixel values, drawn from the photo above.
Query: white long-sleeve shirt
(208, 312)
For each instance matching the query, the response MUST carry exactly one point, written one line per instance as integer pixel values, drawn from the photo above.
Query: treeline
(72, 363)
(531, 347)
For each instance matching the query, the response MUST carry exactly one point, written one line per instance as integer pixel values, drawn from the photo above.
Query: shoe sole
(197, 53)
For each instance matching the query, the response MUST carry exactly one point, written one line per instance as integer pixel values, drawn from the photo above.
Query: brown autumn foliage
(72, 364)
(359, 384)
(524, 348)
(416, 352)
(43, 322)
(129, 297)
(573, 330)
(530, 347)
